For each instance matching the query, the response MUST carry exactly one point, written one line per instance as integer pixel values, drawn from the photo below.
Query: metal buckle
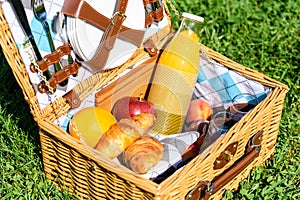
(198, 192)
(114, 16)
(210, 188)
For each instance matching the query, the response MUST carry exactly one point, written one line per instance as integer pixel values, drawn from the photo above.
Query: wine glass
(241, 104)
(218, 125)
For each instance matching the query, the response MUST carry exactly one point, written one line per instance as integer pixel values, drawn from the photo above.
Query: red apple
(127, 107)
(198, 109)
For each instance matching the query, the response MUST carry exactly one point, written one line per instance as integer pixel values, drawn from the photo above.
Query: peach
(198, 109)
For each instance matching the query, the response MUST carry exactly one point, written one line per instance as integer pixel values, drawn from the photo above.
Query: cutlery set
(54, 58)
(41, 15)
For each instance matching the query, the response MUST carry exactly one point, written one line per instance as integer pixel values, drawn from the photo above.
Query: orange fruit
(90, 123)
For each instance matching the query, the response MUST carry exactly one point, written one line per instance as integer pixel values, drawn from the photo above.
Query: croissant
(143, 154)
(123, 133)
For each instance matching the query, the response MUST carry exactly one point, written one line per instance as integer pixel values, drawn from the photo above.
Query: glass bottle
(175, 76)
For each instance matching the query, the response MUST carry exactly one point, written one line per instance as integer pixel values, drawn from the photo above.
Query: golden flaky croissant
(123, 133)
(143, 154)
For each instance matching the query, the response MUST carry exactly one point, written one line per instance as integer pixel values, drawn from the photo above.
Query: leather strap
(59, 76)
(226, 156)
(150, 47)
(52, 58)
(197, 192)
(255, 141)
(73, 99)
(82, 10)
(232, 173)
(154, 11)
(252, 151)
(113, 28)
(63, 74)
(193, 150)
(153, 16)
(109, 38)
(204, 189)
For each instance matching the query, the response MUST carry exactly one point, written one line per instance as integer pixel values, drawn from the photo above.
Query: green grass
(262, 35)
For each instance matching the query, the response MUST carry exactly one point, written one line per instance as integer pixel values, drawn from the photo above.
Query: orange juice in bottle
(175, 76)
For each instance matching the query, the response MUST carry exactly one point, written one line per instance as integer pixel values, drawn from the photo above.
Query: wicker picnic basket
(71, 165)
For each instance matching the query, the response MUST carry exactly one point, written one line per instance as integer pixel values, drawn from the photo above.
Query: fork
(40, 14)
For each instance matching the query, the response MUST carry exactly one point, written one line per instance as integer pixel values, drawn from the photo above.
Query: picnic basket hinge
(73, 99)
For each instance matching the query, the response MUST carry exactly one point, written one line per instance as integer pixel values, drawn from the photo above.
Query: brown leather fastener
(43, 88)
(154, 12)
(54, 57)
(64, 50)
(59, 77)
(193, 150)
(158, 14)
(220, 181)
(198, 191)
(154, 16)
(226, 156)
(63, 74)
(150, 47)
(73, 99)
(49, 59)
(255, 141)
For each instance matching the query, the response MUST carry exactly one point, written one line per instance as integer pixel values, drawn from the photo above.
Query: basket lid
(18, 37)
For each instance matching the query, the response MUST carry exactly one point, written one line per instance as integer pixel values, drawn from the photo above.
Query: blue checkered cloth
(219, 85)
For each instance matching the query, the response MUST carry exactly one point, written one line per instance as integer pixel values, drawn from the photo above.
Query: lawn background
(262, 35)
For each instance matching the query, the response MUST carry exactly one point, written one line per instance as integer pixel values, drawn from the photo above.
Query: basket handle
(232, 172)
(205, 189)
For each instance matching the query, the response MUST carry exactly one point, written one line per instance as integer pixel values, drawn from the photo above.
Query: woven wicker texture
(71, 166)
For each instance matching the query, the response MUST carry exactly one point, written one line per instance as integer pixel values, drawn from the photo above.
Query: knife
(19, 11)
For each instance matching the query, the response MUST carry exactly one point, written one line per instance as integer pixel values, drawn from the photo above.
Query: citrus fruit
(90, 123)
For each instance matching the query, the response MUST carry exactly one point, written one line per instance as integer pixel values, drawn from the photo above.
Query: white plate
(70, 33)
(75, 42)
(85, 38)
